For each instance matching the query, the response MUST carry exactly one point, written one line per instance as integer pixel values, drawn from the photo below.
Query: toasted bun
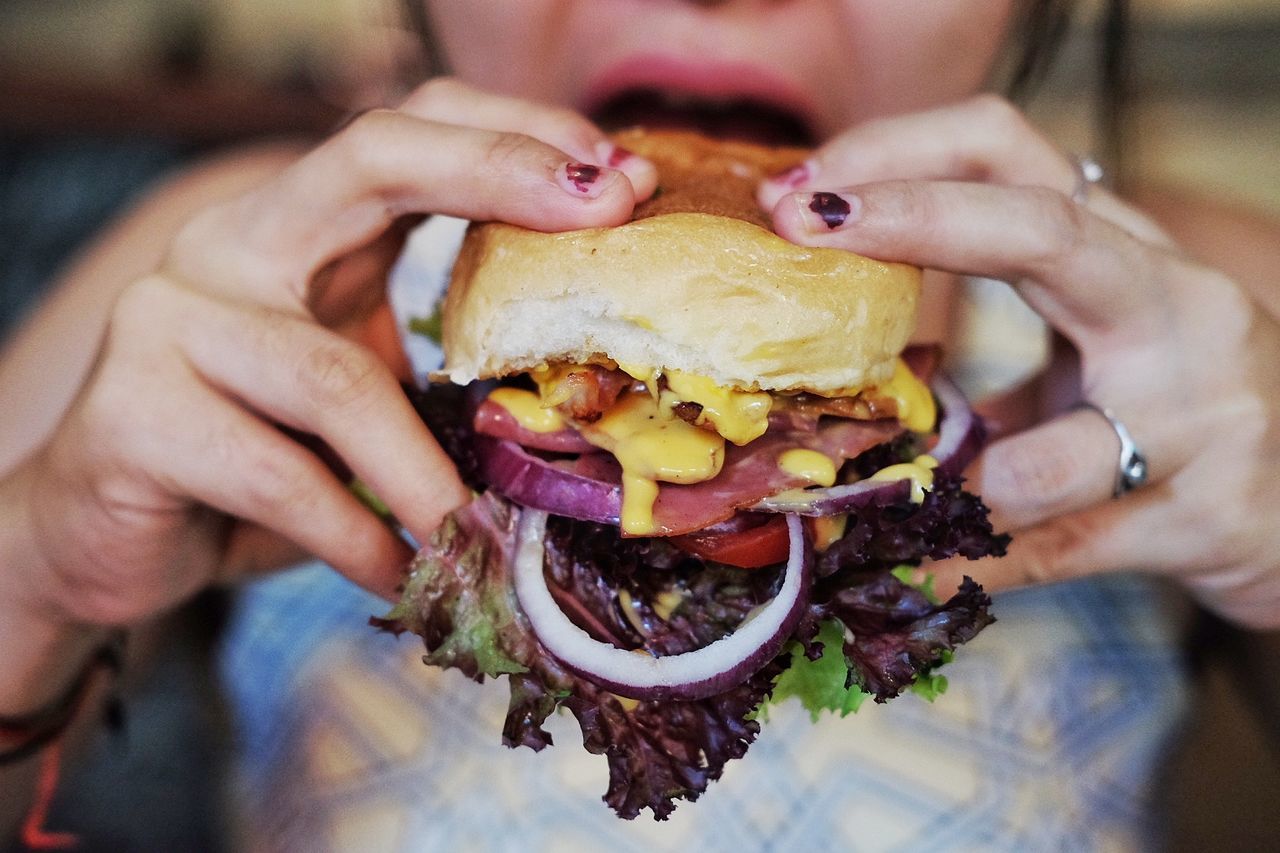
(696, 282)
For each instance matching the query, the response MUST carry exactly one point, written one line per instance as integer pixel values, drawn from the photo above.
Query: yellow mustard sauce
(652, 446)
(919, 471)
(528, 409)
(917, 410)
(810, 465)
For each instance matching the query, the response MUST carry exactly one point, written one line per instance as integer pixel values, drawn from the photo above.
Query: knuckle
(505, 150)
(1035, 477)
(572, 129)
(272, 479)
(340, 375)
(193, 238)
(435, 94)
(363, 143)
(139, 307)
(999, 113)
(1061, 550)
(1062, 229)
(908, 204)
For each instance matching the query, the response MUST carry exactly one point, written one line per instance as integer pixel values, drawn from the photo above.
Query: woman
(147, 466)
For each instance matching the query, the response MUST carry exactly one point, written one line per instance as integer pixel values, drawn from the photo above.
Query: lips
(723, 100)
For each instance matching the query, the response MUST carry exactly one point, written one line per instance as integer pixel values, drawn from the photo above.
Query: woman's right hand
(170, 470)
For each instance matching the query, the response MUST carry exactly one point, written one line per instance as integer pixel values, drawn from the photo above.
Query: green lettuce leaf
(820, 684)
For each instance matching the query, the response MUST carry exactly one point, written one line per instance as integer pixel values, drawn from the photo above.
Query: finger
(265, 246)
(252, 549)
(308, 378)
(228, 459)
(1066, 548)
(1148, 532)
(445, 99)
(984, 139)
(1056, 468)
(1084, 275)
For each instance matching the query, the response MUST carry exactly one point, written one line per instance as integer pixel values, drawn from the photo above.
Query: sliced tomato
(764, 545)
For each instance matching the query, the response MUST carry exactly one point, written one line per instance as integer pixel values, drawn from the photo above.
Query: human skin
(153, 467)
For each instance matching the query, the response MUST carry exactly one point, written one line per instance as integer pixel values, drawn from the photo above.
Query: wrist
(41, 647)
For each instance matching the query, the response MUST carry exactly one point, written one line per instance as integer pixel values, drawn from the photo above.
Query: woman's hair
(1039, 35)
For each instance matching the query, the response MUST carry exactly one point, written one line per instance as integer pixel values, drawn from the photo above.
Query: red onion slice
(960, 437)
(961, 433)
(538, 484)
(693, 675)
(837, 499)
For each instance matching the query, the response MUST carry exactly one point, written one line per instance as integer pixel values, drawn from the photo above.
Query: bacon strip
(586, 392)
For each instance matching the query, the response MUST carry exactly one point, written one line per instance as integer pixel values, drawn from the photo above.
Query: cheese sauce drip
(809, 465)
(916, 409)
(919, 471)
(739, 416)
(528, 409)
(652, 446)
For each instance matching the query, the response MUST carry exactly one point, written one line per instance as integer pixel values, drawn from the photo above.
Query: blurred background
(101, 98)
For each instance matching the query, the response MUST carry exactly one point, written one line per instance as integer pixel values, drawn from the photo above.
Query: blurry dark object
(205, 111)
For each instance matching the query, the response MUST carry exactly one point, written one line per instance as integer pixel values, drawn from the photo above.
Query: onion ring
(698, 674)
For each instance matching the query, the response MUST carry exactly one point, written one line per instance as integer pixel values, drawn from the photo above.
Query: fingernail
(639, 170)
(614, 156)
(825, 211)
(582, 179)
(795, 176)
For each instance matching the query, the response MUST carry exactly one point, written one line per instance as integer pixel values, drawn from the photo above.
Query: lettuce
(822, 683)
(867, 630)
(459, 598)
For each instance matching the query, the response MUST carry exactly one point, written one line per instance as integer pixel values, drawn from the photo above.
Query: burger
(707, 465)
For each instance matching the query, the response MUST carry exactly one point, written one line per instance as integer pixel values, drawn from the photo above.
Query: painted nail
(795, 176)
(615, 155)
(828, 210)
(581, 179)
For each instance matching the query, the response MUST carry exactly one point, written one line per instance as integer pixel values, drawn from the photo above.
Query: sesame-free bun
(695, 282)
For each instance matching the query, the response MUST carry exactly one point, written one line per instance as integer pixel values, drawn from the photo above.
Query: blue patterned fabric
(1048, 739)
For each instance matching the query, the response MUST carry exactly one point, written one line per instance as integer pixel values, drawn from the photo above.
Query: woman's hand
(1179, 352)
(171, 470)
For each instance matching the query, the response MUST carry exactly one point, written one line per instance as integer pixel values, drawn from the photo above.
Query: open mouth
(744, 118)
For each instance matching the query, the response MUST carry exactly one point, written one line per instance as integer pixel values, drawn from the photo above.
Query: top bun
(695, 282)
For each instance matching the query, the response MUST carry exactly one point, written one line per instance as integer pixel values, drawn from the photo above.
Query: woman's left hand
(1179, 352)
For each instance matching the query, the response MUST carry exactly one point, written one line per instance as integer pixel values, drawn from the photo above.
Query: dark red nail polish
(582, 175)
(619, 155)
(833, 209)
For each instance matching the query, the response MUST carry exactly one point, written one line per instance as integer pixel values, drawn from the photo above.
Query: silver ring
(1088, 172)
(1131, 468)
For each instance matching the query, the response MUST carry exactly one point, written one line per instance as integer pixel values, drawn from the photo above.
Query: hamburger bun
(696, 282)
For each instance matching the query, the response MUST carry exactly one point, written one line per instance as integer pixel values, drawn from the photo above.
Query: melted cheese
(666, 603)
(528, 409)
(552, 387)
(652, 446)
(919, 471)
(809, 465)
(916, 408)
(739, 416)
(828, 530)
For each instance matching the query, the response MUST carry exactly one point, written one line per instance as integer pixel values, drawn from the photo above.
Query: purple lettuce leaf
(896, 636)
(459, 598)
(950, 521)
